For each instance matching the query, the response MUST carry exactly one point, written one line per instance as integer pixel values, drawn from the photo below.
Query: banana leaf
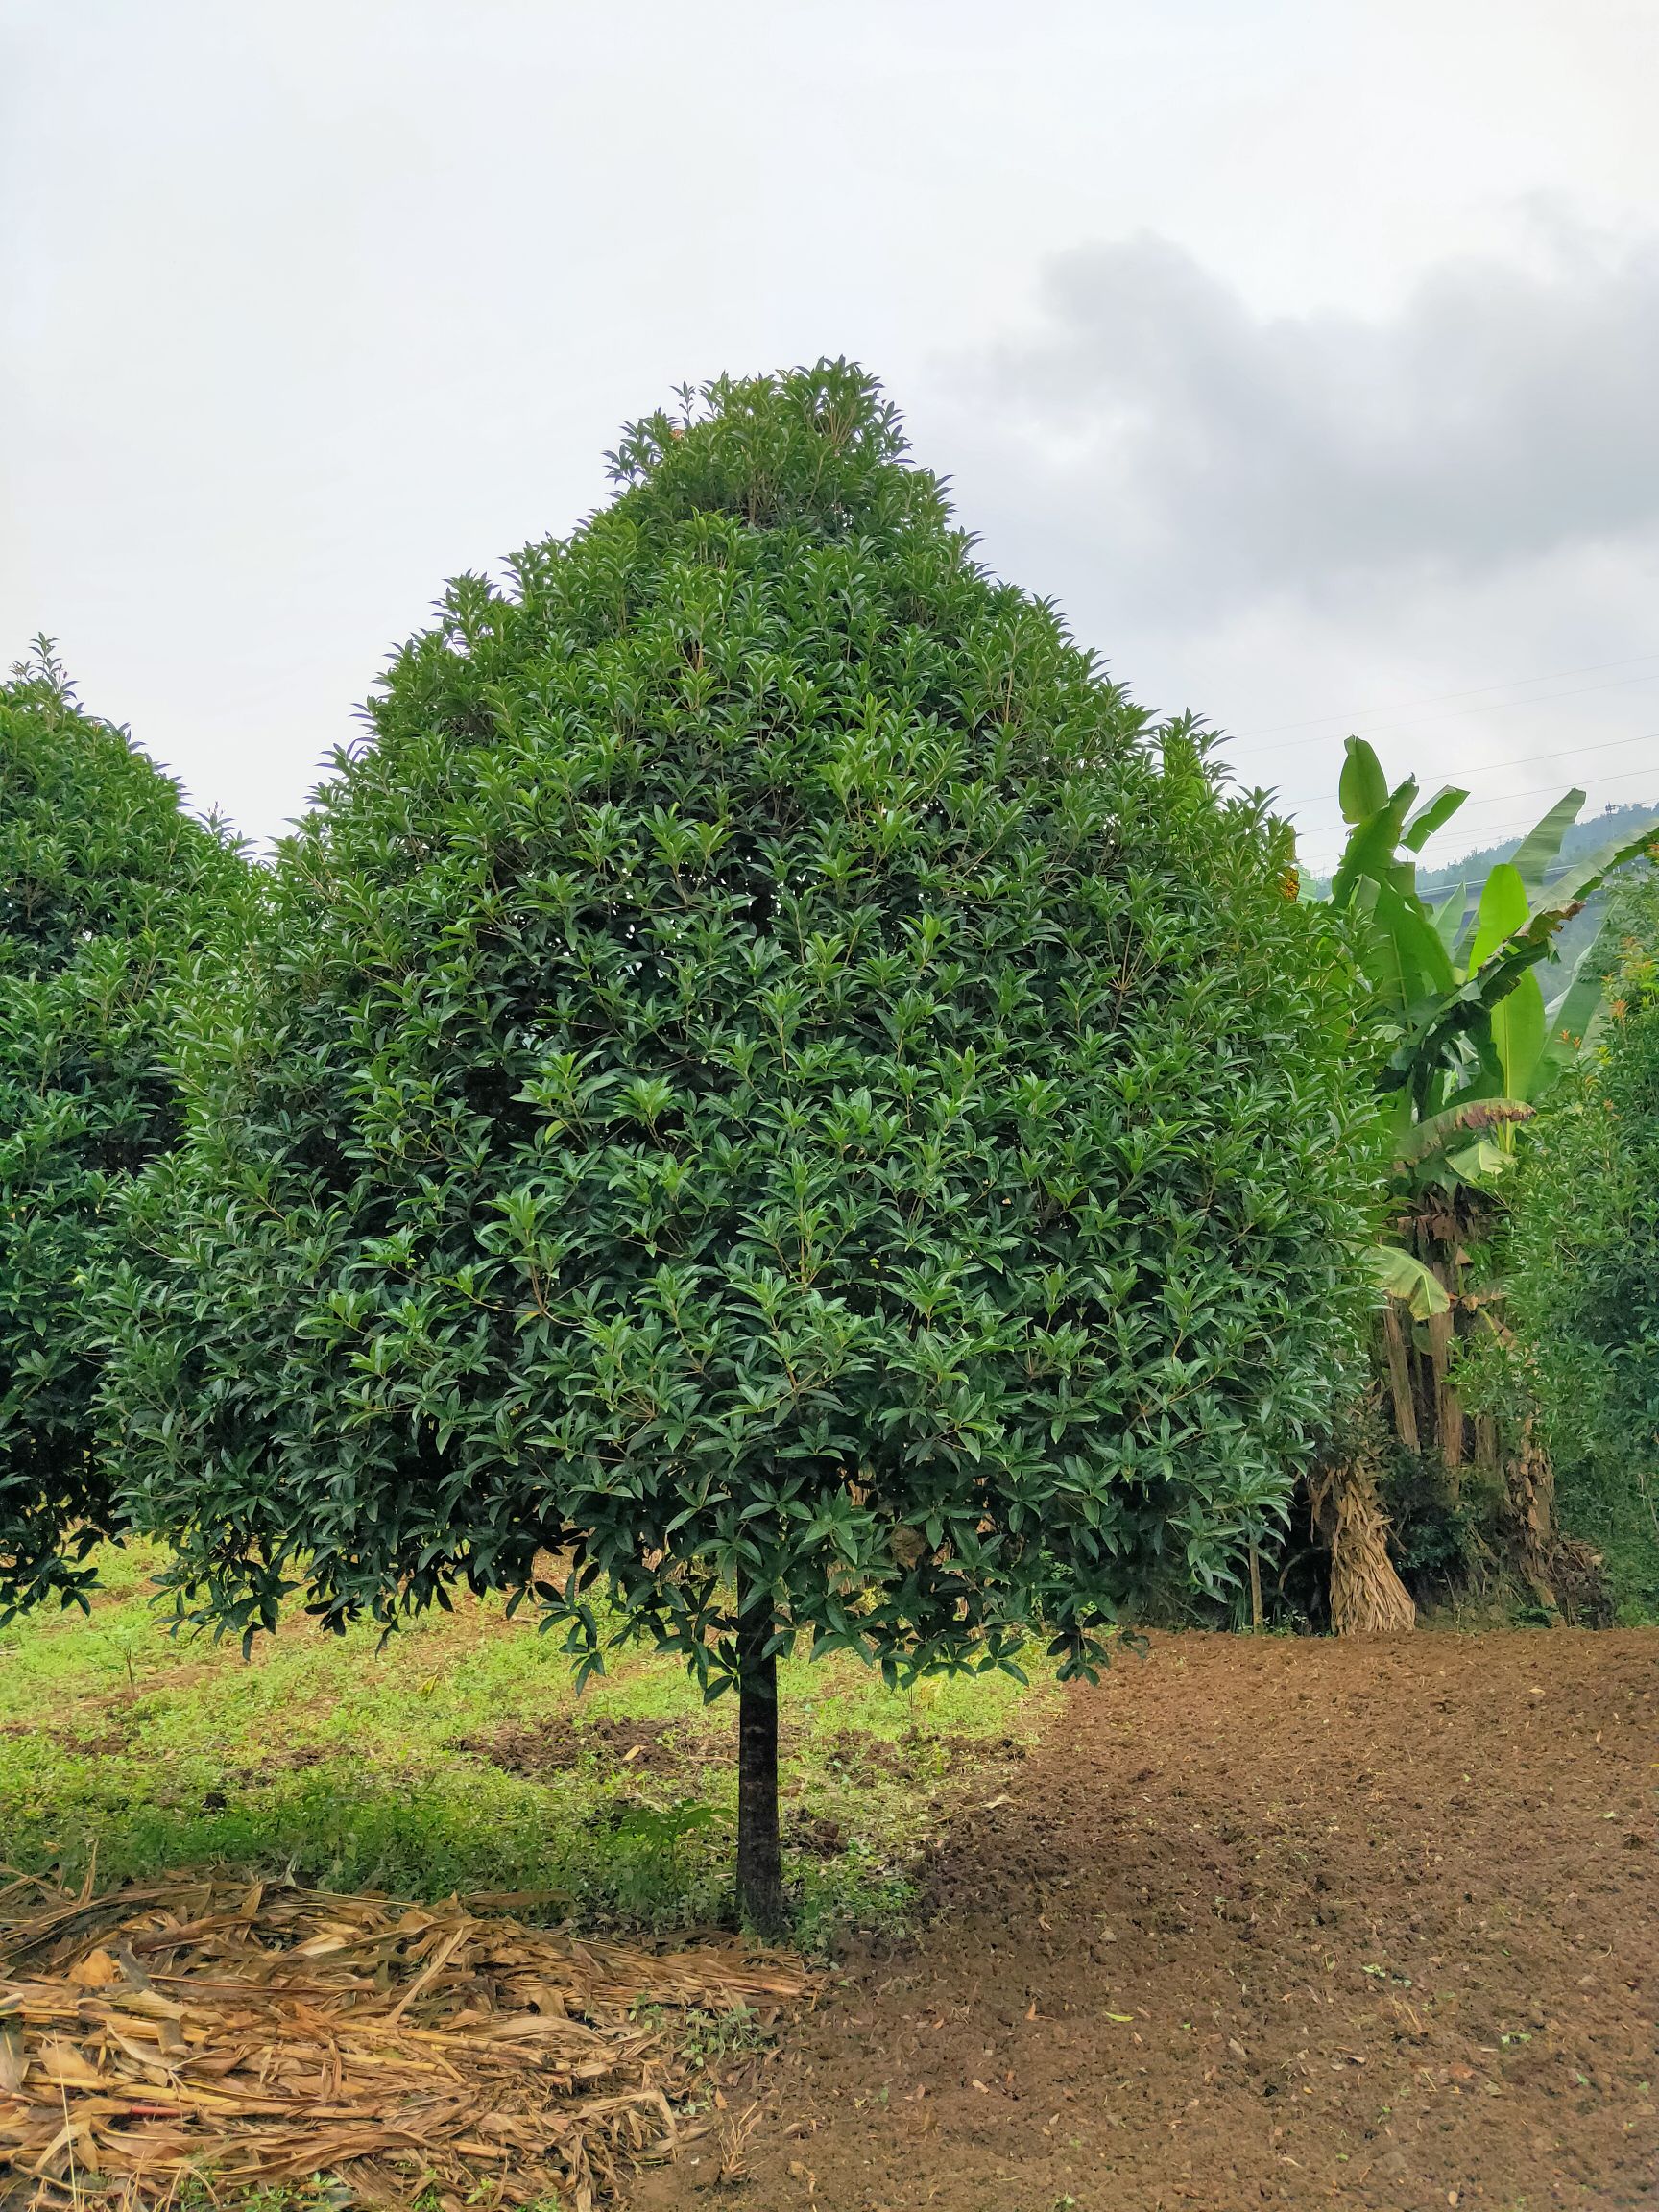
(1404, 958)
(1504, 910)
(1405, 1278)
(1574, 1020)
(1520, 1027)
(1480, 1163)
(1363, 788)
(1470, 1115)
(1540, 846)
(1449, 919)
(1371, 847)
(1434, 815)
(1589, 876)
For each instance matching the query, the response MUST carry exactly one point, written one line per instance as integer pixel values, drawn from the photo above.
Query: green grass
(367, 1766)
(1610, 1502)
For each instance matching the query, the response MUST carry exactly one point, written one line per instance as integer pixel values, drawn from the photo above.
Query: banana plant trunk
(1417, 1370)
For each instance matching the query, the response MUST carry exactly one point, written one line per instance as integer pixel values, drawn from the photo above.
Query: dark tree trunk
(1400, 1378)
(760, 1860)
(1517, 1497)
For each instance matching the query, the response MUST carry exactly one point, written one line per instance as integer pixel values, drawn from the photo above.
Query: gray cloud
(1212, 456)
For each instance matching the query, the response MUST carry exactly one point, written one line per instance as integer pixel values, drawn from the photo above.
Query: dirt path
(1280, 1922)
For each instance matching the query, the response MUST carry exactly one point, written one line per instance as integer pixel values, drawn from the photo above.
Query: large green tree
(107, 889)
(765, 1079)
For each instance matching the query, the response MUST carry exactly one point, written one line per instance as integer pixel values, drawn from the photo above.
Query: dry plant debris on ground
(263, 2035)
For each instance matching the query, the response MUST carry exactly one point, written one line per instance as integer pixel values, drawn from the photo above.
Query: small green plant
(649, 1870)
(207, 2191)
(660, 1833)
(711, 2039)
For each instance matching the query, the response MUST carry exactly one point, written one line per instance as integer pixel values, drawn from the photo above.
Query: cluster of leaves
(1466, 1048)
(106, 890)
(1583, 1254)
(764, 1073)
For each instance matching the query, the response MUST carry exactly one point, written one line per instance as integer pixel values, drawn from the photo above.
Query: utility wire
(1568, 752)
(1543, 699)
(1513, 799)
(1494, 833)
(1434, 698)
(1501, 798)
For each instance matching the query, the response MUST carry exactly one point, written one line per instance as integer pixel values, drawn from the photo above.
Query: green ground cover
(458, 1757)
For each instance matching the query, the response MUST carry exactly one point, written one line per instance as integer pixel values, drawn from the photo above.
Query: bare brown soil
(683, 1746)
(560, 1745)
(1278, 1922)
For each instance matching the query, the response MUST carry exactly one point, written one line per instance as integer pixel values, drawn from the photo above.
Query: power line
(1509, 798)
(1538, 799)
(1330, 737)
(1495, 834)
(1499, 833)
(1564, 753)
(1434, 698)
(1530, 798)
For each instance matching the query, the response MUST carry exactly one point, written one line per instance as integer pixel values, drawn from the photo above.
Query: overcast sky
(1305, 350)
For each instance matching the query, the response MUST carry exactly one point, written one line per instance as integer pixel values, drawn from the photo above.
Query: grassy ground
(458, 1757)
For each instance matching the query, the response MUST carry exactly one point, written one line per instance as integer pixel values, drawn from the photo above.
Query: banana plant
(1468, 1045)
(1473, 1044)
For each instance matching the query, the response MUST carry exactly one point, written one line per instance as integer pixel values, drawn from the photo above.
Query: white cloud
(304, 307)
(1220, 457)
(1436, 522)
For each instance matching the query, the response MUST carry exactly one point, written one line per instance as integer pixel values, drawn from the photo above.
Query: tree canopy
(765, 1076)
(1584, 1255)
(105, 887)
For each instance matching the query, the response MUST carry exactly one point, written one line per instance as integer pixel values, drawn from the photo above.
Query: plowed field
(1263, 1922)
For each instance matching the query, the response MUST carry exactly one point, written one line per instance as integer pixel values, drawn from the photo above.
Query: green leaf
(1587, 878)
(1518, 1031)
(1574, 1018)
(1480, 1163)
(1448, 918)
(1404, 957)
(1369, 854)
(1404, 1276)
(1363, 788)
(1503, 911)
(1432, 815)
(1540, 846)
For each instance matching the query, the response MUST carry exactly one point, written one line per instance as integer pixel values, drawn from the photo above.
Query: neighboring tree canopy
(1584, 1254)
(1466, 1049)
(762, 1076)
(105, 885)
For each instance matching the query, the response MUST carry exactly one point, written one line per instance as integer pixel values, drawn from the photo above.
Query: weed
(365, 1766)
(204, 2193)
(710, 2039)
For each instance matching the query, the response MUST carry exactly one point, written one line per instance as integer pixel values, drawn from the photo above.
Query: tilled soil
(1283, 1922)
